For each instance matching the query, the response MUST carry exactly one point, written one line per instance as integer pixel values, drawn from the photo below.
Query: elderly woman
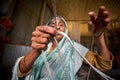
(53, 58)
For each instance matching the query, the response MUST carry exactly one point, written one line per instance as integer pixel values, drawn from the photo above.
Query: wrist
(99, 38)
(36, 51)
(100, 41)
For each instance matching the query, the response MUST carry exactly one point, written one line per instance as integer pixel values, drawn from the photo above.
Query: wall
(25, 19)
(26, 15)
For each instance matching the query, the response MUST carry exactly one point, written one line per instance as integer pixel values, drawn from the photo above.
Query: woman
(52, 56)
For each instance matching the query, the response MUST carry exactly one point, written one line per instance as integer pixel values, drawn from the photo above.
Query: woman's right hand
(41, 37)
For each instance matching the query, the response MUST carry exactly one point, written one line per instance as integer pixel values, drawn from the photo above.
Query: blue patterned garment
(63, 61)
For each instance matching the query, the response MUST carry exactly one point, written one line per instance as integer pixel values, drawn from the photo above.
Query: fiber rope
(95, 69)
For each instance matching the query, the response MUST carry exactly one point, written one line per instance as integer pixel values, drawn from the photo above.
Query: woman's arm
(40, 39)
(97, 25)
(102, 48)
(26, 62)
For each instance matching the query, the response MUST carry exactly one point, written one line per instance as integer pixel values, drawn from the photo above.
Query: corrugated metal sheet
(12, 52)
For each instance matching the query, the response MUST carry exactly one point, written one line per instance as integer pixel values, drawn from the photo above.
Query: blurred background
(18, 18)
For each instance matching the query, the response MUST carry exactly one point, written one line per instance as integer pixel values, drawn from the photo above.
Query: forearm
(102, 48)
(26, 63)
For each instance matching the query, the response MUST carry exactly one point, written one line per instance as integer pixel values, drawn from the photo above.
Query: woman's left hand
(98, 24)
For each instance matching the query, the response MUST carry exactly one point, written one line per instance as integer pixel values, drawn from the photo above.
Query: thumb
(91, 26)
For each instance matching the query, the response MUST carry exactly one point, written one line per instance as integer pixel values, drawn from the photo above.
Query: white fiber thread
(48, 68)
(95, 69)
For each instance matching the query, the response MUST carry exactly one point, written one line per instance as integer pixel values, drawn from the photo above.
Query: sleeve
(20, 74)
(16, 71)
(97, 60)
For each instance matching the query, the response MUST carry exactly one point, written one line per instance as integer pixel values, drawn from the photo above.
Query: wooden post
(42, 12)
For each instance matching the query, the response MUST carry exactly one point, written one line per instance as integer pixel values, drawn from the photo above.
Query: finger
(40, 40)
(90, 26)
(38, 34)
(101, 10)
(105, 14)
(35, 33)
(106, 21)
(92, 16)
(90, 23)
(37, 46)
(47, 29)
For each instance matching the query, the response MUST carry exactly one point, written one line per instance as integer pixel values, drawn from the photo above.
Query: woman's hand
(98, 24)
(41, 37)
